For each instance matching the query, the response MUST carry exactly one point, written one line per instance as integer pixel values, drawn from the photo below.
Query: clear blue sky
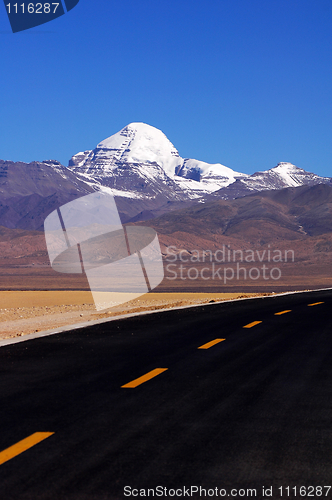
(246, 83)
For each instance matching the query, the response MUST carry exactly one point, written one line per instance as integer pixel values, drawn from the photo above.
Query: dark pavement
(252, 411)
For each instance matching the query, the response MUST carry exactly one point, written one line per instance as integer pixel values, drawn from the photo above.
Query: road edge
(77, 326)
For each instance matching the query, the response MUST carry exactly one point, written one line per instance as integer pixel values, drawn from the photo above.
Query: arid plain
(261, 244)
(24, 312)
(33, 297)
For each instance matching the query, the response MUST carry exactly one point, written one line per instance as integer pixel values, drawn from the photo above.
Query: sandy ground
(23, 312)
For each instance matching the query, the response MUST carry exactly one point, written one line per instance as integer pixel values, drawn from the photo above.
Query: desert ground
(24, 312)
(35, 298)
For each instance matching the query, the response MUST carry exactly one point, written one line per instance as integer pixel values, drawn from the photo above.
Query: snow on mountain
(140, 162)
(136, 143)
(287, 173)
(207, 177)
(284, 175)
(142, 169)
(141, 159)
(141, 143)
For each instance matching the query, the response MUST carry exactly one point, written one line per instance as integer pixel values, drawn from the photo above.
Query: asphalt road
(252, 409)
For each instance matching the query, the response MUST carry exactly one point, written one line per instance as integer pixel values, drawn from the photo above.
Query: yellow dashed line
(210, 344)
(23, 445)
(315, 304)
(283, 312)
(144, 378)
(254, 323)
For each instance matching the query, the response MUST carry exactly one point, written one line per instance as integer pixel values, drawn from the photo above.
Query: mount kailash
(142, 169)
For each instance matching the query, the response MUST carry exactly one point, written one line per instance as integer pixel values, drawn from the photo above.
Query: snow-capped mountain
(142, 169)
(140, 162)
(282, 176)
(143, 162)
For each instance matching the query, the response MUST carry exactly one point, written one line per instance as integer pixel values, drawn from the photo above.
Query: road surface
(230, 398)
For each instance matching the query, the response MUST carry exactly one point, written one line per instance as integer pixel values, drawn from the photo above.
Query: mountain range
(294, 220)
(191, 204)
(142, 169)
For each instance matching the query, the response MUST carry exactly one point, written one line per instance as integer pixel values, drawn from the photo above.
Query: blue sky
(246, 83)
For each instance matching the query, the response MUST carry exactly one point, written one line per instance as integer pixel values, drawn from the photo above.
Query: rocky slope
(141, 161)
(139, 164)
(142, 169)
(293, 220)
(29, 192)
(260, 218)
(283, 175)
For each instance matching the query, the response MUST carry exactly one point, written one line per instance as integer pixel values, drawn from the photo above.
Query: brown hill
(268, 224)
(288, 214)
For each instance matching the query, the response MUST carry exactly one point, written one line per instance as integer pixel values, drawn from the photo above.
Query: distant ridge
(142, 169)
(140, 161)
